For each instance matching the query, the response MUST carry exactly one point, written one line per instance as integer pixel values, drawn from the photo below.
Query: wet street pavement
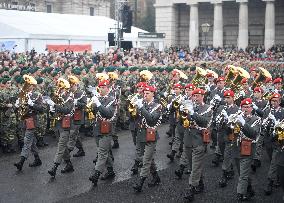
(35, 185)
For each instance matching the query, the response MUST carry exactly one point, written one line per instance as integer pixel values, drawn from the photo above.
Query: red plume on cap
(103, 83)
(246, 101)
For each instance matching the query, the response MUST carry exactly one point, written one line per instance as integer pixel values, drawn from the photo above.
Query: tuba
(24, 96)
(260, 79)
(231, 74)
(200, 77)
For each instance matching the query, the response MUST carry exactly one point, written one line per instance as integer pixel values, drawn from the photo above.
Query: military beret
(244, 80)
(277, 80)
(258, 89)
(275, 95)
(149, 88)
(178, 86)
(220, 79)
(198, 91)
(190, 86)
(246, 101)
(229, 93)
(103, 83)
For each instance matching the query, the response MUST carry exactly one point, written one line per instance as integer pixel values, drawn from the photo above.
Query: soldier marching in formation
(238, 112)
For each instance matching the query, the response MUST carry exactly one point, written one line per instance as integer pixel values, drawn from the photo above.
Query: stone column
(166, 22)
(269, 35)
(243, 24)
(193, 27)
(218, 24)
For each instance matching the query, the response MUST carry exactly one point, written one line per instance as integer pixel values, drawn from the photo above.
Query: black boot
(250, 190)
(52, 171)
(242, 198)
(37, 162)
(200, 187)
(79, 153)
(190, 195)
(216, 160)
(179, 172)
(224, 180)
(155, 180)
(95, 177)
(135, 167)
(171, 156)
(20, 143)
(109, 174)
(230, 174)
(41, 143)
(268, 189)
(95, 160)
(138, 186)
(68, 168)
(115, 144)
(20, 164)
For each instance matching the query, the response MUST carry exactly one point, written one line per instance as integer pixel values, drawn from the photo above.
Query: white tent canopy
(36, 30)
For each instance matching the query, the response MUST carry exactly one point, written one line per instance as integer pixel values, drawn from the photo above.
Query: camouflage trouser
(122, 114)
(9, 133)
(41, 126)
(114, 131)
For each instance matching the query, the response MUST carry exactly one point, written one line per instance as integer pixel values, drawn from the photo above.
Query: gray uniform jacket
(225, 130)
(106, 111)
(250, 130)
(81, 98)
(151, 115)
(201, 118)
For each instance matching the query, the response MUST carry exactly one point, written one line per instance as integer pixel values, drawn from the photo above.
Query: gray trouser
(134, 135)
(228, 160)
(198, 154)
(244, 168)
(272, 173)
(186, 157)
(149, 165)
(259, 148)
(29, 144)
(62, 147)
(104, 153)
(178, 138)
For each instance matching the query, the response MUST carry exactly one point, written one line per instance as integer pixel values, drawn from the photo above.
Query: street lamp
(205, 27)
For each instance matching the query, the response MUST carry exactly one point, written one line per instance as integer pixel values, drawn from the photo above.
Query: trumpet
(184, 114)
(232, 121)
(279, 132)
(131, 104)
(88, 109)
(177, 101)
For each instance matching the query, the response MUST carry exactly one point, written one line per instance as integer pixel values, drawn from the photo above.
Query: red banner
(75, 48)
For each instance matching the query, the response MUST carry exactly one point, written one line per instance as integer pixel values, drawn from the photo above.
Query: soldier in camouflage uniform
(9, 119)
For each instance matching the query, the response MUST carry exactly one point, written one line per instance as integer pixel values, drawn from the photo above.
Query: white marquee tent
(36, 30)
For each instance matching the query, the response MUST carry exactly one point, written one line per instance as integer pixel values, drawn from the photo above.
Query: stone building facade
(79, 7)
(232, 22)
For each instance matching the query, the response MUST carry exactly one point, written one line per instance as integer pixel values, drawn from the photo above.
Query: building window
(14, 5)
(48, 8)
(92, 11)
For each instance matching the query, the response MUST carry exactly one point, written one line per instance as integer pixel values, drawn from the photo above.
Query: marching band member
(225, 136)
(104, 109)
(134, 122)
(260, 106)
(80, 101)
(174, 120)
(246, 128)
(147, 136)
(194, 140)
(272, 147)
(184, 160)
(62, 105)
(28, 112)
